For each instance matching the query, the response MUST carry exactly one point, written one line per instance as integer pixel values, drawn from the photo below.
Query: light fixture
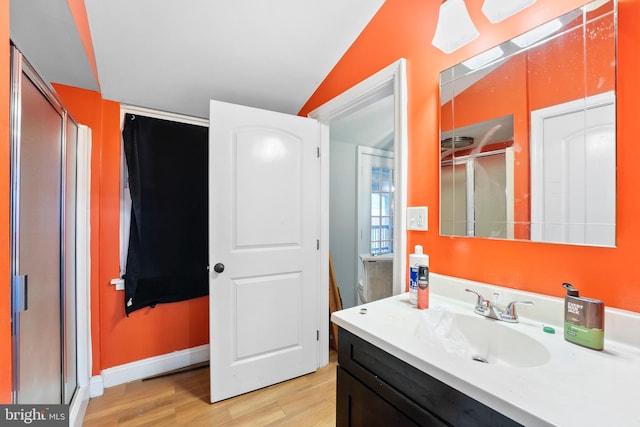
(455, 28)
(538, 33)
(483, 58)
(498, 10)
(457, 142)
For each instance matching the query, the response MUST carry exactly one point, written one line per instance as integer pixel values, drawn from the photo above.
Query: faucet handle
(509, 314)
(480, 302)
(495, 298)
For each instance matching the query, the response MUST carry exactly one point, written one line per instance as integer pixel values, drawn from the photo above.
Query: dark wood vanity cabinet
(378, 389)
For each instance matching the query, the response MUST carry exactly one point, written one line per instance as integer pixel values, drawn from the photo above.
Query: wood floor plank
(199, 413)
(183, 400)
(261, 416)
(248, 402)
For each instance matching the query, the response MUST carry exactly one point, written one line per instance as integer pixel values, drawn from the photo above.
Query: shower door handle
(20, 291)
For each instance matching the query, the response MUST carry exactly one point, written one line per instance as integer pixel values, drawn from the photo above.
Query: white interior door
(264, 226)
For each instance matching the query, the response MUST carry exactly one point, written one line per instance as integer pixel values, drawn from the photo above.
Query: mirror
(528, 135)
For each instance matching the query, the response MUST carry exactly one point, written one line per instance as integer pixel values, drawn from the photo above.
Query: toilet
(377, 280)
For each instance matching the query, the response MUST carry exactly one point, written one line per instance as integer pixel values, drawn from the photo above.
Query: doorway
(385, 92)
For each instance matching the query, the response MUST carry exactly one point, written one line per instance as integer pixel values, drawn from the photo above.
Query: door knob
(218, 268)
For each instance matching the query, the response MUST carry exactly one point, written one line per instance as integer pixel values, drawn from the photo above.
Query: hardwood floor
(183, 400)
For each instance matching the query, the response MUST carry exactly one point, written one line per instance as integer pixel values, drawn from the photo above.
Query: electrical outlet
(418, 218)
(119, 283)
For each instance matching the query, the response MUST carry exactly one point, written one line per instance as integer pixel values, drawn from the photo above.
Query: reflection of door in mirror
(477, 194)
(573, 172)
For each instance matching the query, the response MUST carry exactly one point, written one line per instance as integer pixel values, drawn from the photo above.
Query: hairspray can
(423, 287)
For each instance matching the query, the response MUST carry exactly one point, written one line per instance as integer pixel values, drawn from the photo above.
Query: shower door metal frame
(20, 68)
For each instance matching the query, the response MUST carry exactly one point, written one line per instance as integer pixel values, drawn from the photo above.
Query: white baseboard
(96, 386)
(78, 407)
(147, 367)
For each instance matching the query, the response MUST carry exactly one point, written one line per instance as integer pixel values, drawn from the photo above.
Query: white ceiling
(45, 33)
(371, 126)
(176, 55)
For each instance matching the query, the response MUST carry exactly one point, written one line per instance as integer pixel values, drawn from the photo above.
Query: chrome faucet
(490, 309)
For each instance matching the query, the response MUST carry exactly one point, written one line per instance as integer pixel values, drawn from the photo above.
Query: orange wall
(554, 82)
(148, 332)
(5, 288)
(404, 28)
(117, 339)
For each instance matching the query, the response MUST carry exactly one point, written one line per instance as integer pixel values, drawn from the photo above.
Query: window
(381, 241)
(164, 229)
(375, 201)
(125, 195)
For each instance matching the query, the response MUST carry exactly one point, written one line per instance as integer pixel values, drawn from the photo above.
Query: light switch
(417, 218)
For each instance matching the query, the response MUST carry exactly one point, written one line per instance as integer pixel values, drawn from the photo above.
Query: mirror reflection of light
(590, 7)
(483, 58)
(538, 33)
(600, 140)
(270, 149)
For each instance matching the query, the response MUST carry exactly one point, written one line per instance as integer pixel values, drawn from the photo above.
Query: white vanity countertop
(576, 387)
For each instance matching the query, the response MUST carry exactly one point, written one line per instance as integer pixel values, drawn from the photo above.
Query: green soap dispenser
(583, 319)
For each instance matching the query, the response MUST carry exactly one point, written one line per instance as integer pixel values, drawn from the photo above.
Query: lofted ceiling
(45, 32)
(175, 56)
(371, 125)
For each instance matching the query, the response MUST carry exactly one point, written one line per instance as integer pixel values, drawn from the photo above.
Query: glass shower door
(37, 247)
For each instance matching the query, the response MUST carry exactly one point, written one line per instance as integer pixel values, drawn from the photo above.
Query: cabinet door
(422, 398)
(357, 405)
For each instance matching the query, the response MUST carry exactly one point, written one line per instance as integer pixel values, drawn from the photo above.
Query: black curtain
(168, 242)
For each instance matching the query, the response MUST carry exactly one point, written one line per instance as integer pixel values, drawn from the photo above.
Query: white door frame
(80, 400)
(375, 87)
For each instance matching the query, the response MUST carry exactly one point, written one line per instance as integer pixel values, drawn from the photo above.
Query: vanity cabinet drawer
(423, 399)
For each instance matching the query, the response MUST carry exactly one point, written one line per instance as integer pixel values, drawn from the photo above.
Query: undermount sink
(482, 340)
